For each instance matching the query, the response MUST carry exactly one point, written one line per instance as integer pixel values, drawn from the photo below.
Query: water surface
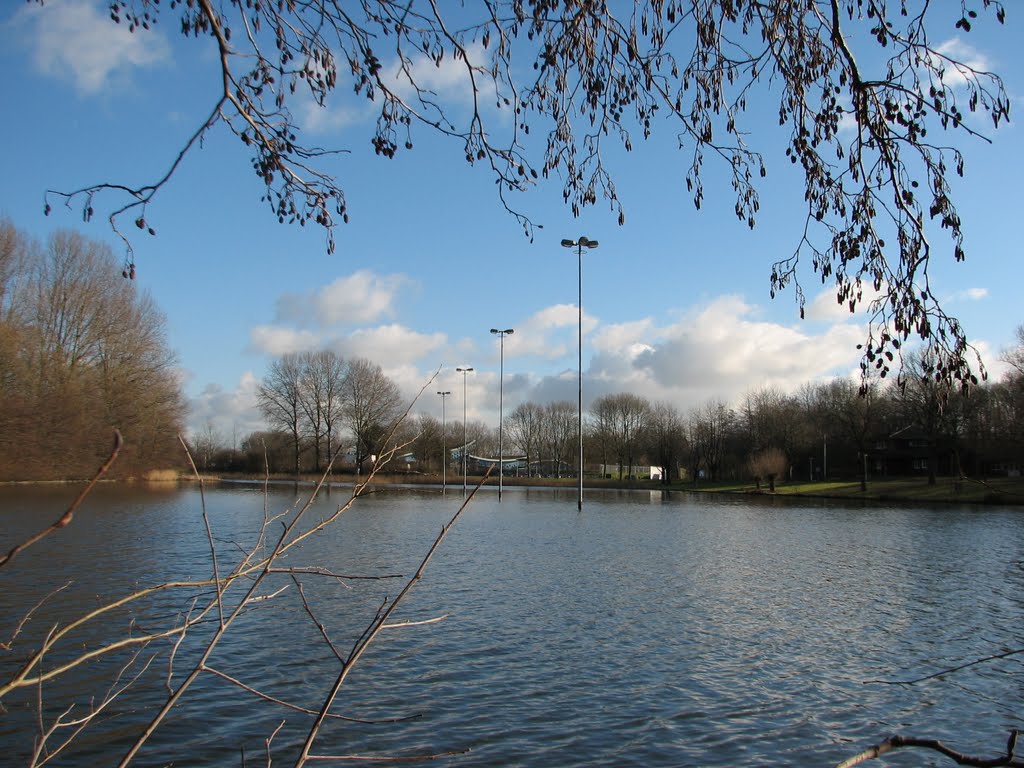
(650, 629)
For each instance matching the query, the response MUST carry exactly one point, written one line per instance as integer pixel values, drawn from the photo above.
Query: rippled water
(650, 629)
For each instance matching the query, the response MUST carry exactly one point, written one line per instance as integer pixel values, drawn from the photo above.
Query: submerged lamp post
(464, 371)
(501, 397)
(579, 245)
(444, 448)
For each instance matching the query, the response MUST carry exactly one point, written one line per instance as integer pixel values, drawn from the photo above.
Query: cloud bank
(74, 41)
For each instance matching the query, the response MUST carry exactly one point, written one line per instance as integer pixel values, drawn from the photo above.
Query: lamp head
(583, 242)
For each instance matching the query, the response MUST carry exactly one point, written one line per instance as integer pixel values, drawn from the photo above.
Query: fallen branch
(950, 670)
(901, 742)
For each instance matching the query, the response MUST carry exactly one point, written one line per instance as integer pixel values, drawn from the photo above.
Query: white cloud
(361, 297)
(720, 350)
(390, 346)
(825, 306)
(959, 50)
(724, 348)
(275, 340)
(232, 413)
(624, 335)
(971, 294)
(448, 79)
(73, 40)
(550, 333)
(326, 119)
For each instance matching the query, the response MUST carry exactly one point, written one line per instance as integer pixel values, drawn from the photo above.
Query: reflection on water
(649, 629)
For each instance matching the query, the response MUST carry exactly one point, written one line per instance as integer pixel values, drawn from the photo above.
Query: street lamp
(444, 448)
(501, 396)
(464, 371)
(579, 245)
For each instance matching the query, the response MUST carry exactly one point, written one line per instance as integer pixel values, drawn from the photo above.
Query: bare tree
(558, 433)
(280, 400)
(867, 99)
(323, 377)
(12, 255)
(428, 442)
(524, 426)
(331, 369)
(851, 415)
(624, 416)
(1014, 356)
(601, 419)
(666, 440)
(371, 405)
(924, 404)
(80, 354)
(707, 428)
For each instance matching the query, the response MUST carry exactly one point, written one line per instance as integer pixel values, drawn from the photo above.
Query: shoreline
(992, 492)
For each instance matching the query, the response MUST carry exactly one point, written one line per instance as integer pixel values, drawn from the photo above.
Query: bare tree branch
(69, 513)
(902, 742)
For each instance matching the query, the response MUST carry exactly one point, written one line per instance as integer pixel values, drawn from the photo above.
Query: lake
(649, 629)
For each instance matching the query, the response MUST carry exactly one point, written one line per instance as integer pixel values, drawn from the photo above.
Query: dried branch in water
(903, 742)
(950, 670)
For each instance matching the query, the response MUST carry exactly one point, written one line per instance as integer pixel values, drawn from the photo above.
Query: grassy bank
(1007, 491)
(1003, 490)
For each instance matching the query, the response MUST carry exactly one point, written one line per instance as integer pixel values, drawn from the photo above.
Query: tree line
(82, 352)
(319, 408)
(317, 403)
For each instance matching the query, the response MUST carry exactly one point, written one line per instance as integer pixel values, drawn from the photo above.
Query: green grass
(1003, 490)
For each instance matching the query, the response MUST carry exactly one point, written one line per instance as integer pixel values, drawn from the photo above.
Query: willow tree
(871, 101)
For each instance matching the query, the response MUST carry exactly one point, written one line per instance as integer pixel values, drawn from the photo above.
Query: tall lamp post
(501, 398)
(579, 245)
(444, 448)
(464, 371)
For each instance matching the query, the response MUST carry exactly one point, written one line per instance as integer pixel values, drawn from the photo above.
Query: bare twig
(206, 522)
(377, 625)
(257, 573)
(319, 624)
(288, 705)
(80, 724)
(208, 603)
(28, 615)
(69, 513)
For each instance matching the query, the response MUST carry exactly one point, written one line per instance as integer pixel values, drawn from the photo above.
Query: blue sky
(676, 302)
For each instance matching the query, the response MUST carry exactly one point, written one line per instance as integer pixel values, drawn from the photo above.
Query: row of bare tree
(324, 403)
(82, 352)
(316, 400)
